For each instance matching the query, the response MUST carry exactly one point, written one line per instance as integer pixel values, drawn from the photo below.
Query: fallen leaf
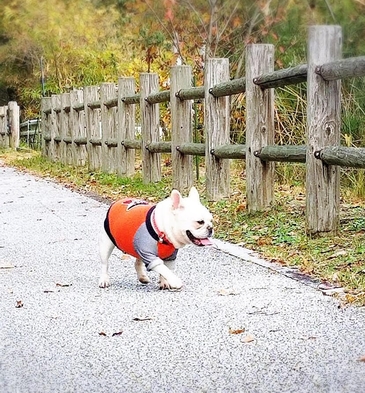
(325, 286)
(279, 63)
(117, 333)
(240, 208)
(102, 334)
(19, 304)
(48, 291)
(63, 285)
(236, 331)
(248, 338)
(264, 241)
(227, 292)
(337, 254)
(329, 289)
(142, 319)
(6, 265)
(362, 359)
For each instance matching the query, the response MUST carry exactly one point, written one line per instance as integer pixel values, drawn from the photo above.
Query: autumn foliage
(69, 44)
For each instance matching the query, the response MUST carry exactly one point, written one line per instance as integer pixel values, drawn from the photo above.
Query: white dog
(153, 233)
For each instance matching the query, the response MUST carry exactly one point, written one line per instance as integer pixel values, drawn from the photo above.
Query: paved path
(52, 314)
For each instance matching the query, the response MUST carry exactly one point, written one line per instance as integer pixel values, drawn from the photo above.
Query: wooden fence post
(150, 123)
(110, 158)
(323, 129)
(217, 129)
(126, 126)
(181, 128)
(77, 123)
(259, 128)
(93, 127)
(68, 130)
(56, 126)
(65, 130)
(46, 127)
(4, 135)
(14, 124)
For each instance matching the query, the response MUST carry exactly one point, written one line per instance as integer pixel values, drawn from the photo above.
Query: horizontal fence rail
(281, 78)
(96, 126)
(347, 68)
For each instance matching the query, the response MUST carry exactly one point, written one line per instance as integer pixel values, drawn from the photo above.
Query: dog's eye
(201, 222)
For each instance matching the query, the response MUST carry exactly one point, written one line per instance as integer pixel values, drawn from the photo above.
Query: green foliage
(278, 235)
(151, 43)
(69, 36)
(86, 42)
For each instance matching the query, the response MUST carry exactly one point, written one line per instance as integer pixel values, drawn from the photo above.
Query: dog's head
(193, 223)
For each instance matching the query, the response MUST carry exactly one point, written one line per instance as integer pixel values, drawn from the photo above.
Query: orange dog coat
(129, 226)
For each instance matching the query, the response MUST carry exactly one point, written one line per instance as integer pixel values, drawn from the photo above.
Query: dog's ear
(176, 199)
(193, 194)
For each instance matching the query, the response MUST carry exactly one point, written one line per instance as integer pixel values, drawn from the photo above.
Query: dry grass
(278, 235)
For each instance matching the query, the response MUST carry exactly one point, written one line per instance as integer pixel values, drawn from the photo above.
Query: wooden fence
(96, 126)
(9, 125)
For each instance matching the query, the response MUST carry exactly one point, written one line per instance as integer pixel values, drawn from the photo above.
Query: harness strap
(153, 228)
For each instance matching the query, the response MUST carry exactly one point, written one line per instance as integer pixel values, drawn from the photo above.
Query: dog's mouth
(197, 241)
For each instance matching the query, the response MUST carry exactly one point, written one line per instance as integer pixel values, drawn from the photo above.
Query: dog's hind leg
(106, 247)
(141, 271)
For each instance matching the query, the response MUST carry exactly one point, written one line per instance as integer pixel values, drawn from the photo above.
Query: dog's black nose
(210, 231)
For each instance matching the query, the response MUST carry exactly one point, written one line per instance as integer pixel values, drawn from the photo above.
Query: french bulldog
(153, 234)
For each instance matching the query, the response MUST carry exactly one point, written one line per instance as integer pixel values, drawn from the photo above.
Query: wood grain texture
(93, 127)
(181, 129)
(126, 126)
(324, 110)
(340, 69)
(77, 122)
(259, 128)
(217, 129)
(110, 157)
(47, 140)
(150, 122)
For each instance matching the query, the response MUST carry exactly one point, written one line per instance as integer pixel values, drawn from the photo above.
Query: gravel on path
(235, 327)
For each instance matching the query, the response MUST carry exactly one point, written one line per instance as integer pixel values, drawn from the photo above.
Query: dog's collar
(153, 228)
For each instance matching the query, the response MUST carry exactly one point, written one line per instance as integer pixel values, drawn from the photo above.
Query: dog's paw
(163, 283)
(143, 279)
(104, 281)
(174, 284)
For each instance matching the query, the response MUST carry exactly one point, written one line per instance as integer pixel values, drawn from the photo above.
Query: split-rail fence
(95, 126)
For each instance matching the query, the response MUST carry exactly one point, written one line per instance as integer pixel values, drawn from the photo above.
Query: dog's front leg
(163, 282)
(168, 279)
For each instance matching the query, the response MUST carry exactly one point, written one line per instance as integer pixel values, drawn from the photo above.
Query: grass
(278, 235)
